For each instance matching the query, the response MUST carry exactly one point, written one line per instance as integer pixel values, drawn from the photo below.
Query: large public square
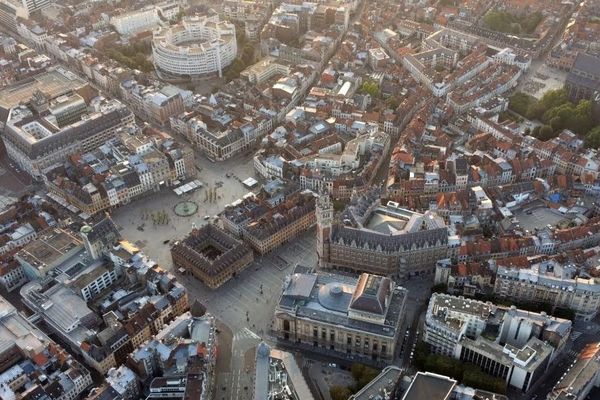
(244, 305)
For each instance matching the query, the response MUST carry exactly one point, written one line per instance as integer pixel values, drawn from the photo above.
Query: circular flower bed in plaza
(185, 208)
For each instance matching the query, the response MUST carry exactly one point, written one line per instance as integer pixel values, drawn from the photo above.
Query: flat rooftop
(529, 356)
(284, 364)
(385, 382)
(428, 386)
(14, 329)
(462, 305)
(83, 274)
(49, 247)
(55, 82)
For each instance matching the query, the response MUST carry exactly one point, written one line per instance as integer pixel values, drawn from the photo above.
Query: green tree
(392, 102)
(367, 376)
(556, 123)
(362, 374)
(356, 369)
(581, 121)
(550, 99)
(248, 54)
(421, 353)
(439, 288)
(444, 366)
(506, 22)
(339, 393)
(546, 133)
(371, 88)
(233, 71)
(592, 139)
(565, 313)
(520, 103)
(473, 376)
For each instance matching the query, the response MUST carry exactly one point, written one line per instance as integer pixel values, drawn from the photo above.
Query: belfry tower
(324, 221)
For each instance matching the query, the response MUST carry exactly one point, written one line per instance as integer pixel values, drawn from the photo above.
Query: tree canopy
(502, 21)
(134, 56)
(556, 112)
(339, 393)
(362, 374)
(371, 88)
(592, 139)
(245, 57)
(466, 373)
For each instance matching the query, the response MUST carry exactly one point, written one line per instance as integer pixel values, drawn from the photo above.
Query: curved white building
(199, 45)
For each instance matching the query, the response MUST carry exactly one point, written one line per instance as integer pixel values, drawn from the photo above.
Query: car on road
(206, 217)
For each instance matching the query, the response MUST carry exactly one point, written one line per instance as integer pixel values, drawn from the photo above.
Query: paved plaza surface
(240, 305)
(538, 218)
(13, 182)
(244, 305)
(540, 78)
(136, 215)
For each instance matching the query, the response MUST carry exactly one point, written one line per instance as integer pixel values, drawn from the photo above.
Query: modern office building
(197, 46)
(52, 248)
(430, 386)
(506, 342)
(10, 10)
(341, 314)
(32, 365)
(35, 141)
(147, 18)
(53, 83)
